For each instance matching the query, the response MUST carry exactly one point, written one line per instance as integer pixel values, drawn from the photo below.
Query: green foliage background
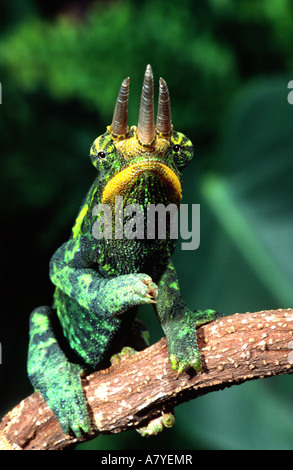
(227, 64)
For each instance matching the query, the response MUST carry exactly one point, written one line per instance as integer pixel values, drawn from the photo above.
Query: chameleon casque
(100, 283)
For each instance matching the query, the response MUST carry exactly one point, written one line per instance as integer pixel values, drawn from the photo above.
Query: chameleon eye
(177, 148)
(101, 155)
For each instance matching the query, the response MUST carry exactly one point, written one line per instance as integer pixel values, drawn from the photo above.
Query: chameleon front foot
(182, 364)
(205, 316)
(127, 291)
(157, 425)
(182, 340)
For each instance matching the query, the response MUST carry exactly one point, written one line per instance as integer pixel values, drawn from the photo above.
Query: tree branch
(234, 349)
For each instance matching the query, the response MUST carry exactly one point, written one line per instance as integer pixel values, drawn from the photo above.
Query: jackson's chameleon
(100, 283)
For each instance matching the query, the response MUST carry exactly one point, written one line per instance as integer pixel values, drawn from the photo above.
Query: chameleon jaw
(118, 184)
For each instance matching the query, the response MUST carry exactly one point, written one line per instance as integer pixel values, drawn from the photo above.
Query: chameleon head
(143, 155)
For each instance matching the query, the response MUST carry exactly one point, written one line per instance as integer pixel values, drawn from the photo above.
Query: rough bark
(234, 349)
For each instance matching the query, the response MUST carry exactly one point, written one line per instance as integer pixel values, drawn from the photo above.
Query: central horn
(146, 121)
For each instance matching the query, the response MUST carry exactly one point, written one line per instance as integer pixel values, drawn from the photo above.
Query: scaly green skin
(100, 284)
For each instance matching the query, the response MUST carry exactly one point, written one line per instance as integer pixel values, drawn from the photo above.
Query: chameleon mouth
(119, 185)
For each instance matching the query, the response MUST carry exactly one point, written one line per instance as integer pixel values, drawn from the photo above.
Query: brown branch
(234, 349)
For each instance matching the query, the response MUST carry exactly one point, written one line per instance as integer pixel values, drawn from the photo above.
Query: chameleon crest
(100, 283)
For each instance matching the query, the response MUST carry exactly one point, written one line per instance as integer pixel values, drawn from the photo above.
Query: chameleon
(101, 282)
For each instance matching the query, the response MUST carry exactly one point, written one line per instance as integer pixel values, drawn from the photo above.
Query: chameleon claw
(123, 354)
(154, 427)
(182, 366)
(173, 361)
(153, 289)
(151, 297)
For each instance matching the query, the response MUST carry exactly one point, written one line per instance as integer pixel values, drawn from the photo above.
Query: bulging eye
(176, 148)
(102, 155)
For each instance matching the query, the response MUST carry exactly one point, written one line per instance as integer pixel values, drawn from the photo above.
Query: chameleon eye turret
(119, 126)
(146, 120)
(164, 122)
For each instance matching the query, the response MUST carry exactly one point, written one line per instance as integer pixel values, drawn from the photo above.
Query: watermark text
(156, 221)
(290, 94)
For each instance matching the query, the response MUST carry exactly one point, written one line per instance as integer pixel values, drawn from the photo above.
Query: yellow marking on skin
(79, 220)
(40, 323)
(85, 279)
(131, 147)
(174, 285)
(117, 184)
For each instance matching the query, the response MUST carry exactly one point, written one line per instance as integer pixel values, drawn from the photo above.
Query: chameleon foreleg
(179, 322)
(71, 270)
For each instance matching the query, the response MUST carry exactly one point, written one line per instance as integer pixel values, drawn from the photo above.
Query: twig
(234, 349)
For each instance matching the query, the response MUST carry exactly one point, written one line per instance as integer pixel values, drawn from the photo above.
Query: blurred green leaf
(252, 200)
(246, 417)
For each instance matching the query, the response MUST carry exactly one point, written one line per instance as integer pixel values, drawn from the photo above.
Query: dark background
(227, 64)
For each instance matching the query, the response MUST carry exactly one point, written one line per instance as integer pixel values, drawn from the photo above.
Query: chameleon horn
(164, 123)
(119, 125)
(146, 120)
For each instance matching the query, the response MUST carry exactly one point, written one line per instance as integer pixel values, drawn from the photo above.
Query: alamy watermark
(133, 221)
(290, 94)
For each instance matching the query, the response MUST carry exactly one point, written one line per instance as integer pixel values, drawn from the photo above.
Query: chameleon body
(100, 283)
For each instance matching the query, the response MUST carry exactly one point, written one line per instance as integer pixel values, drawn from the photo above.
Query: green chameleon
(100, 283)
